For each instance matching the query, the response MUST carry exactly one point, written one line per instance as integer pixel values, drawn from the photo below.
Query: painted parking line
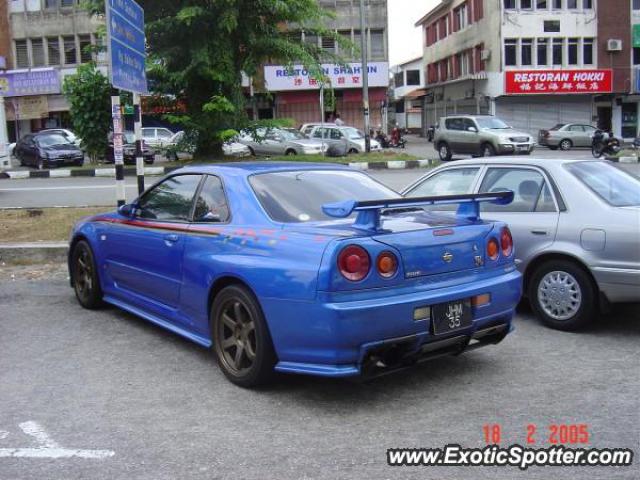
(47, 447)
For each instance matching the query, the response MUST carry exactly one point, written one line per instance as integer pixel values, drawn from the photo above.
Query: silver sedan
(280, 141)
(575, 225)
(565, 136)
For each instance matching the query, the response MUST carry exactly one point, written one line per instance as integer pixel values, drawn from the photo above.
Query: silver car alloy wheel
(559, 295)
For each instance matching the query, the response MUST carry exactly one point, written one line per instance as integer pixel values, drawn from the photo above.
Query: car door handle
(539, 232)
(171, 238)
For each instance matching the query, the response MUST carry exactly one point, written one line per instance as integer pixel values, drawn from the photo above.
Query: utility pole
(118, 155)
(137, 127)
(365, 79)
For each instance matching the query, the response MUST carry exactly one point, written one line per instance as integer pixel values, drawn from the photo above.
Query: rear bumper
(372, 329)
(618, 284)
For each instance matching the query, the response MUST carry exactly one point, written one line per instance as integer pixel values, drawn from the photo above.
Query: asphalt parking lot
(134, 401)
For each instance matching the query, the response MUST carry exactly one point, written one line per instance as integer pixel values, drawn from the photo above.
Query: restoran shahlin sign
(523, 82)
(279, 77)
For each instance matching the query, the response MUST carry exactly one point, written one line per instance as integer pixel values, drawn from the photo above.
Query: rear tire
(86, 282)
(444, 152)
(563, 295)
(241, 339)
(352, 151)
(290, 153)
(553, 148)
(565, 144)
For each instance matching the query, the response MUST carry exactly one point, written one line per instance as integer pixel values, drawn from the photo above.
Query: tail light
(387, 264)
(506, 242)
(493, 249)
(354, 263)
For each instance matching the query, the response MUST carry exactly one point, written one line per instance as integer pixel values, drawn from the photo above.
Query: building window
(460, 17)
(53, 50)
(587, 51)
(526, 52)
(543, 47)
(413, 77)
(464, 64)
(636, 4)
(70, 54)
(85, 48)
(509, 4)
(346, 36)
(636, 55)
(67, 3)
(557, 4)
(398, 79)
(37, 52)
(557, 51)
(587, 4)
(510, 55)
(526, 4)
(329, 44)
(22, 54)
(377, 44)
(541, 4)
(572, 4)
(313, 40)
(50, 3)
(572, 51)
(552, 26)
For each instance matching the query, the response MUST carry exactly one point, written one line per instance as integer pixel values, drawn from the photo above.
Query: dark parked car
(129, 150)
(46, 150)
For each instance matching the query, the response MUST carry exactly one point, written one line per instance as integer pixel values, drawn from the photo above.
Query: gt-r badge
(447, 257)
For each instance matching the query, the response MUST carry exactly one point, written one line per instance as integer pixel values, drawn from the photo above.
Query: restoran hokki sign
(281, 78)
(522, 82)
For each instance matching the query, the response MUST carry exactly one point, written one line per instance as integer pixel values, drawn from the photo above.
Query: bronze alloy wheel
(241, 339)
(237, 336)
(85, 276)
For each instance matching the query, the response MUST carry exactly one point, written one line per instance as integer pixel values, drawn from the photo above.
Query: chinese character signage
(523, 82)
(32, 82)
(279, 78)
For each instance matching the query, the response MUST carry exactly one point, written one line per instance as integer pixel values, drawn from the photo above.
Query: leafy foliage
(198, 50)
(88, 92)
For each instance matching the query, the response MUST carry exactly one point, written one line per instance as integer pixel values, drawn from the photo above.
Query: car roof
(519, 160)
(249, 168)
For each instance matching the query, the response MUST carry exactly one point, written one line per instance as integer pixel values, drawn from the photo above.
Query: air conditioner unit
(485, 55)
(614, 45)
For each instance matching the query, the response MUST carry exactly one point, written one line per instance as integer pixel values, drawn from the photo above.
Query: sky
(405, 41)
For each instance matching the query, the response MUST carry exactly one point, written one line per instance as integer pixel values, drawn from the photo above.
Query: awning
(420, 92)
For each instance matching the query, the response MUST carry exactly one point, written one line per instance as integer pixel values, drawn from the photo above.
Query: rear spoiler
(369, 211)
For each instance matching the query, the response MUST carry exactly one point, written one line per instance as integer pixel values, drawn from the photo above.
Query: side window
(164, 133)
(317, 133)
(335, 134)
(211, 204)
(448, 182)
(531, 193)
(576, 128)
(467, 123)
(147, 132)
(171, 200)
(453, 123)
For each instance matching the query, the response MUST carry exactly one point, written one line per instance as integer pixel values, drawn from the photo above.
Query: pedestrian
(338, 121)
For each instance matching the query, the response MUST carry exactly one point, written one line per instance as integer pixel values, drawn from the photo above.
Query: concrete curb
(36, 252)
(158, 171)
(93, 172)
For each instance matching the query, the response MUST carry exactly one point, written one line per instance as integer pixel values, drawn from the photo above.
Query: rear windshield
(611, 184)
(295, 197)
(557, 127)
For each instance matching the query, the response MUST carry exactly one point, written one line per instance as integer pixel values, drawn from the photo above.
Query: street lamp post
(365, 79)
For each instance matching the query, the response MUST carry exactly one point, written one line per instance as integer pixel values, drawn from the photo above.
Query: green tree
(88, 92)
(198, 50)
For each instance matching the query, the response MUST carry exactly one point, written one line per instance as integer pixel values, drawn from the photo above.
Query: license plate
(523, 148)
(452, 316)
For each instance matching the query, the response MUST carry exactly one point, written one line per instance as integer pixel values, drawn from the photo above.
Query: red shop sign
(522, 82)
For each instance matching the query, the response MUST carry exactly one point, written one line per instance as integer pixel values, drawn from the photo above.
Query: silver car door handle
(539, 232)
(171, 238)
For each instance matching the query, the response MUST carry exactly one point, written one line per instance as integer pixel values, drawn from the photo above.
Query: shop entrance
(604, 118)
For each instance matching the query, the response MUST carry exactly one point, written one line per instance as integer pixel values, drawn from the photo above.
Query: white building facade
(534, 63)
(408, 88)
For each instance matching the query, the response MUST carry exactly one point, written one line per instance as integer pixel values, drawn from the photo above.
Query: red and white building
(534, 63)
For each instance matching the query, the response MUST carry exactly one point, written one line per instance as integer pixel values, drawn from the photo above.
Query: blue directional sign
(125, 37)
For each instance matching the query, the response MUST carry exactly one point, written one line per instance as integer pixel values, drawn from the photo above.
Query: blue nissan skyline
(302, 268)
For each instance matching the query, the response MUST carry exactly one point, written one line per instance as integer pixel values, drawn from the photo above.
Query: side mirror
(472, 129)
(128, 210)
(210, 217)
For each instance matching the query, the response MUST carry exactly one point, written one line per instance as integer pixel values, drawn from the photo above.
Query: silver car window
(447, 182)
(531, 193)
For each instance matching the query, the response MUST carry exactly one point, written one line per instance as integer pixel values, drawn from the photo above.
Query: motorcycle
(386, 142)
(603, 144)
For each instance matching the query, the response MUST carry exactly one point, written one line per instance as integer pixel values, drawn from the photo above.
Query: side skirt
(200, 340)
